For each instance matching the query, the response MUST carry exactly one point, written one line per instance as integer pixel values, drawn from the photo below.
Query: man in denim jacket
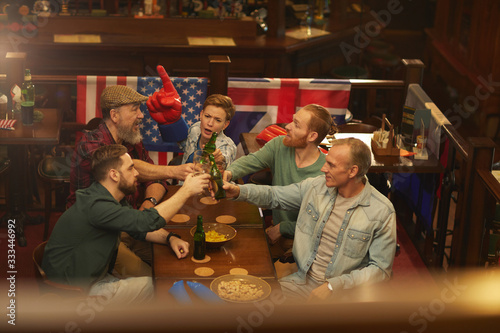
(346, 230)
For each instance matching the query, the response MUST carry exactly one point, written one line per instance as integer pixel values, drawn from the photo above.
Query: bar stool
(55, 170)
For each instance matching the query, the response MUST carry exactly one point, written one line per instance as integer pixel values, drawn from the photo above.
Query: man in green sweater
(83, 245)
(291, 158)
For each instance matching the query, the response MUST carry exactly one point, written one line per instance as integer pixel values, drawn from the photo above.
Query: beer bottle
(27, 98)
(199, 240)
(210, 145)
(217, 183)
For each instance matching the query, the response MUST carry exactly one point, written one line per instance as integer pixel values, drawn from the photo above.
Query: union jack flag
(261, 102)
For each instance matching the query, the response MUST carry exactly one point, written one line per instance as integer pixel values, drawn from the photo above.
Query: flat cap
(115, 96)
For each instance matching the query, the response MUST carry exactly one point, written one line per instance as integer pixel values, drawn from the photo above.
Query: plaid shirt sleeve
(81, 162)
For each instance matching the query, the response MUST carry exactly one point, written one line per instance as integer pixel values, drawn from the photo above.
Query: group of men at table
(340, 229)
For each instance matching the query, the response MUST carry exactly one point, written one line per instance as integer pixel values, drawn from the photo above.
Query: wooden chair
(55, 171)
(48, 286)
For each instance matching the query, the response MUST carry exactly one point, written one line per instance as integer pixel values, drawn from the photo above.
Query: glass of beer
(3, 109)
(27, 113)
(201, 162)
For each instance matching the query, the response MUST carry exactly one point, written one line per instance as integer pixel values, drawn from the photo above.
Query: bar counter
(133, 47)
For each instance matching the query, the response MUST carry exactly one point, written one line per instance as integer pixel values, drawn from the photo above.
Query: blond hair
(223, 102)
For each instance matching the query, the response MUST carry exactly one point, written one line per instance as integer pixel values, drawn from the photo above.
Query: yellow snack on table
(214, 236)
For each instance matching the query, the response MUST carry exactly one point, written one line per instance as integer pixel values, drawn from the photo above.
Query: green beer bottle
(210, 145)
(199, 240)
(27, 99)
(217, 183)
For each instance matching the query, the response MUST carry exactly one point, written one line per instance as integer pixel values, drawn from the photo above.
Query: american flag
(260, 102)
(7, 124)
(193, 92)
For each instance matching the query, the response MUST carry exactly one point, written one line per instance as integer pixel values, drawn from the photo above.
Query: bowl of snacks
(216, 234)
(240, 288)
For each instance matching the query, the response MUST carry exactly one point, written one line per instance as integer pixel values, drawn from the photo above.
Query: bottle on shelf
(3, 106)
(217, 182)
(199, 240)
(148, 7)
(27, 99)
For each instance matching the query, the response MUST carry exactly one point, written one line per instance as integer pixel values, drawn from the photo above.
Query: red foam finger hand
(170, 101)
(154, 108)
(172, 116)
(150, 106)
(168, 87)
(158, 117)
(155, 102)
(164, 99)
(177, 105)
(165, 105)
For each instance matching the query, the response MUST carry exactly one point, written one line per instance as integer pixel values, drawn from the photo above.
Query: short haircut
(106, 158)
(361, 155)
(321, 121)
(223, 102)
(105, 111)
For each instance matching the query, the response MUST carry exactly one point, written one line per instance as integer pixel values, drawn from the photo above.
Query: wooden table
(248, 250)
(162, 286)
(247, 215)
(380, 164)
(44, 133)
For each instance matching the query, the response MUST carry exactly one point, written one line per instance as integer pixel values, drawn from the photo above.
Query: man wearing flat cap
(122, 117)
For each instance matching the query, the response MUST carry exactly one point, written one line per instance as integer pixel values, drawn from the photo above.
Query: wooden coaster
(238, 271)
(208, 201)
(226, 219)
(203, 261)
(180, 218)
(204, 271)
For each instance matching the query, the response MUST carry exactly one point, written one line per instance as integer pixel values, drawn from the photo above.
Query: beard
(295, 142)
(128, 134)
(127, 189)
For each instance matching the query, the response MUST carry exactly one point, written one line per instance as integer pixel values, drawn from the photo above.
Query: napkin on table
(204, 293)
(180, 293)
